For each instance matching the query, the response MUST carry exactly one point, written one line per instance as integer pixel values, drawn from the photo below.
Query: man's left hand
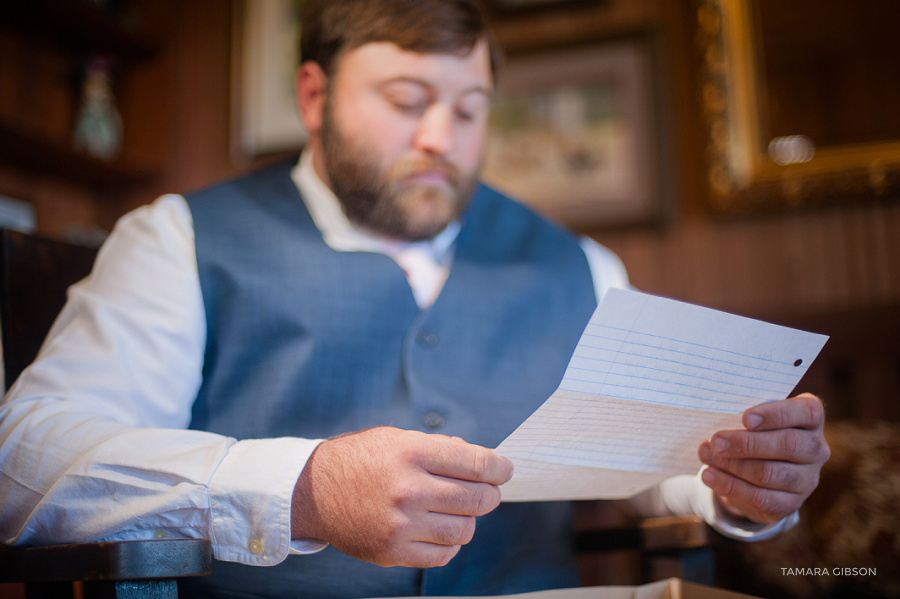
(767, 471)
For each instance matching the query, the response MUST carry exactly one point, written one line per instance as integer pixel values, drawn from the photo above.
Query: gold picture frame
(743, 173)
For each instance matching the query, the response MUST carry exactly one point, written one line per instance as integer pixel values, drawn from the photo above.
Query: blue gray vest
(310, 342)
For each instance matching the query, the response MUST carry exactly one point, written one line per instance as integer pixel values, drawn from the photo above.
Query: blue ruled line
(677, 351)
(646, 378)
(687, 364)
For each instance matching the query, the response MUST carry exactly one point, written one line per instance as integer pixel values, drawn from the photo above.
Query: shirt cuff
(747, 530)
(686, 494)
(250, 501)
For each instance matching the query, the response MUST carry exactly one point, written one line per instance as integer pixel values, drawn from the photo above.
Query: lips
(433, 176)
(422, 171)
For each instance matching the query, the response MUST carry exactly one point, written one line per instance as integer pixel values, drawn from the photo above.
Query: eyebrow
(480, 89)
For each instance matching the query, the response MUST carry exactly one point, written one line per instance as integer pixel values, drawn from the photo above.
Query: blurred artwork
(570, 135)
(558, 143)
(266, 64)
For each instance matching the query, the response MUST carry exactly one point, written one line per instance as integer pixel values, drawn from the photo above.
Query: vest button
(433, 420)
(428, 338)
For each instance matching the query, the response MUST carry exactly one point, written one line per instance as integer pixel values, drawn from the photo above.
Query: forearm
(76, 477)
(92, 436)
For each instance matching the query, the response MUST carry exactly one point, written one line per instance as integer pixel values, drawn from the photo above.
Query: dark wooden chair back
(35, 273)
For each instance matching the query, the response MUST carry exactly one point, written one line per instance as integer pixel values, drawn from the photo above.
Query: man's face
(402, 136)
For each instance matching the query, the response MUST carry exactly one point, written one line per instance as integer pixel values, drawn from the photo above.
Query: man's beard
(391, 203)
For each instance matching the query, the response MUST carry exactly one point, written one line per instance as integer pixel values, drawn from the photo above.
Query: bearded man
(373, 294)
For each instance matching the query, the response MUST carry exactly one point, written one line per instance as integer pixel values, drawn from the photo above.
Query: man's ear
(311, 89)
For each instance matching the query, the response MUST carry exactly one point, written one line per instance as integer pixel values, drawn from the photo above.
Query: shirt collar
(342, 235)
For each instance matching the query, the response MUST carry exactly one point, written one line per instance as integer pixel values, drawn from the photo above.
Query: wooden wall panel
(815, 261)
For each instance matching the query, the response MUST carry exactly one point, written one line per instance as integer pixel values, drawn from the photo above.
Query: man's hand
(766, 472)
(396, 498)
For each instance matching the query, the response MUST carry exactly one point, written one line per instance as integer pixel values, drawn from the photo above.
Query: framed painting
(266, 55)
(577, 134)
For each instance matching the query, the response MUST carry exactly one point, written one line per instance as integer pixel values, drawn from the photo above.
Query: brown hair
(332, 27)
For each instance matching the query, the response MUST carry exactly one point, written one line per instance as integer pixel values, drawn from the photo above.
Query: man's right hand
(395, 497)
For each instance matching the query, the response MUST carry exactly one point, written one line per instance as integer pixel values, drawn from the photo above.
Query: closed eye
(465, 116)
(410, 108)
(407, 97)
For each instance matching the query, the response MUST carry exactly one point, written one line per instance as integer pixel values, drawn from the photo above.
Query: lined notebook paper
(650, 380)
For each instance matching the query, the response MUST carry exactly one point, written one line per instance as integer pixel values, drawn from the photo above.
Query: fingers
(790, 430)
(461, 498)
(755, 502)
(426, 555)
(789, 445)
(767, 474)
(442, 529)
(764, 490)
(804, 411)
(442, 495)
(461, 478)
(454, 458)
(432, 540)
(768, 470)
(395, 497)
(425, 541)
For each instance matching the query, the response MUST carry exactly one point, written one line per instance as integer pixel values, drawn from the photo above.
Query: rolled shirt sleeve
(93, 439)
(686, 494)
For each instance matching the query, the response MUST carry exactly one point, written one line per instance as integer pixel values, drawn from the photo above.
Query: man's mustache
(405, 169)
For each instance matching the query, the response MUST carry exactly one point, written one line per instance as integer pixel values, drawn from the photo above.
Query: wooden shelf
(77, 26)
(29, 151)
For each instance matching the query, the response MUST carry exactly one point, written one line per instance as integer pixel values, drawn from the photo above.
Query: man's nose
(435, 132)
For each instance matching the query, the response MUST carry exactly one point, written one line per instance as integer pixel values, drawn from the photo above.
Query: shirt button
(428, 338)
(160, 534)
(255, 546)
(433, 420)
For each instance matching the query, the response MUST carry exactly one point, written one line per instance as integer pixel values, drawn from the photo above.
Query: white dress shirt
(93, 438)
